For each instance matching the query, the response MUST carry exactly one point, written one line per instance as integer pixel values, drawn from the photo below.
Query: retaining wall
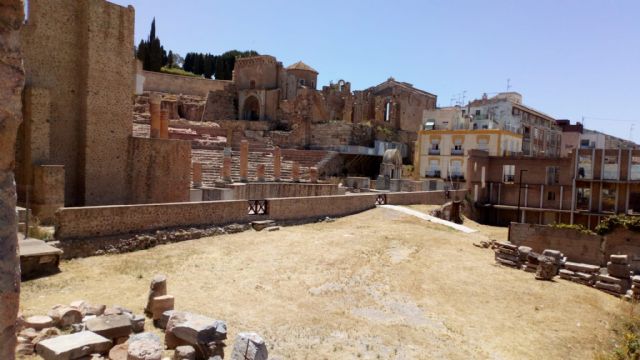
(101, 221)
(177, 84)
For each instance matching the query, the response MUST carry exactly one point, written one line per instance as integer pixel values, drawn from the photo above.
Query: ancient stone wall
(333, 133)
(11, 86)
(98, 221)
(258, 191)
(82, 50)
(177, 84)
(577, 246)
(221, 105)
(158, 170)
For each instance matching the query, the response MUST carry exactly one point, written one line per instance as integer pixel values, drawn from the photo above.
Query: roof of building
(409, 87)
(301, 66)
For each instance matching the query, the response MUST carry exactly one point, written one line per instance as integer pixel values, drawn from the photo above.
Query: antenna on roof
(508, 84)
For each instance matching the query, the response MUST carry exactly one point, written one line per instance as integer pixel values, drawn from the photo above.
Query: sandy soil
(376, 285)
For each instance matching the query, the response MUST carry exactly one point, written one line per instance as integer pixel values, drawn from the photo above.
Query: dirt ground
(376, 285)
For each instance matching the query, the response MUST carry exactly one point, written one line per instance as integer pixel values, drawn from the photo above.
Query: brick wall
(102, 221)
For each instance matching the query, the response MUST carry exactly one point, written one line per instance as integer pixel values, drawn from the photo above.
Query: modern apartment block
(575, 136)
(581, 188)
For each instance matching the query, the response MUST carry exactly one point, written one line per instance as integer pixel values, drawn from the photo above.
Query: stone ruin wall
(11, 86)
(185, 85)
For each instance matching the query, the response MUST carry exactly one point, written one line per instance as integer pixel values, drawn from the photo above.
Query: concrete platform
(37, 257)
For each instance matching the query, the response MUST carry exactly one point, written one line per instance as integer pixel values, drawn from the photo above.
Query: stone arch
(251, 108)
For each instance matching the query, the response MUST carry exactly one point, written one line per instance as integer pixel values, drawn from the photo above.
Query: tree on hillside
(151, 52)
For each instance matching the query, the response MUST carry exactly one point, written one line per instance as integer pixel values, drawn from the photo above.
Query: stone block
(201, 332)
(184, 352)
(119, 352)
(262, 224)
(110, 326)
(619, 259)
(137, 323)
(144, 346)
(249, 346)
(73, 346)
(158, 287)
(615, 288)
(65, 316)
(619, 270)
(160, 304)
(586, 268)
(39, 322)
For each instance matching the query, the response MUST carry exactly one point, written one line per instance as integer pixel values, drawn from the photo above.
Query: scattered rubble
(98, 330)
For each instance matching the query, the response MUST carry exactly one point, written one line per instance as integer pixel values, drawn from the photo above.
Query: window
(551, 195)
(515, 111)
(508, 173)
(608, 197)
(584, 167)
(457, 147)
(456, 170)
(634, 174)
(302, 82)
(477, 112)
(483, 144)
(610, 171)
(553, 175)
(387, 111)
(584, 143)
(430, 124)
(434, 168)
(435, 147)
(583, 195)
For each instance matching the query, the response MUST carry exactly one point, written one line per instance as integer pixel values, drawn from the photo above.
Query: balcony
(433, 174)
(456, 177)
(434, 151)
(508, 178)
(457, 152)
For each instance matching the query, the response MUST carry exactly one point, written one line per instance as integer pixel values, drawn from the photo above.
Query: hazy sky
(568, 58)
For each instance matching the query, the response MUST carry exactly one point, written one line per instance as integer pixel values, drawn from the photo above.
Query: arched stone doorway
(251, 109)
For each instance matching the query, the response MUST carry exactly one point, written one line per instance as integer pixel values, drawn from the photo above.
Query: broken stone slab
(566, 274)
(579, 267)
(160, 304)
(45, 334)
(158, 287)
(164, 319)
(203, 333)
(65, 316)
(555, 254)
(73, 346)
(619, 259)
(501, 244)
(39, 322)
(619, 270)
(508, 251)
(184, 352)
(586, 277)
(259, 225)
(110, 326)
(273, 228)
(506, 262)
(615, 288)
(249, 346)
(144, 346)
(513, 258)
(119, 352)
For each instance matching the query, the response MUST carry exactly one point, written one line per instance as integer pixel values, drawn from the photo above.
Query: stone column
(229, 137)
(244, 160)
(154, 109)
(260, 172)
(226, 165)
(11, 86)
(164, 124)
(197, 175)
(313, 174)
(295, 172)
(277, 163)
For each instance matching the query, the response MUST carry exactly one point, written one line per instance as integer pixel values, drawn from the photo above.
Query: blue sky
(568, 58)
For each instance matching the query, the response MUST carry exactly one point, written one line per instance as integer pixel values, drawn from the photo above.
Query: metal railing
(434, 151)
(457, 152)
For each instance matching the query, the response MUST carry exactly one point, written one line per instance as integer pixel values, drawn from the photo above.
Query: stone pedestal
(48, 192)
(277, 163)
(197, 175)
(260, 172)
(164, 124)
(244, 160)
(295, 172)
(313, 174)
(154, 110)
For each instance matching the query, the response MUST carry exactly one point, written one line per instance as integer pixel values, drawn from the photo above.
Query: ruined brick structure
(12, 75)
(80, 82)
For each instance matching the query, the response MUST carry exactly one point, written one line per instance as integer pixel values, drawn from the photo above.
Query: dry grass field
(376, 285)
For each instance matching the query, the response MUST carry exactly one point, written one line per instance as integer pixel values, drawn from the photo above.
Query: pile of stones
(617, 280)
(545, 265)
(507, 254)
(584, 274)
(82, 330)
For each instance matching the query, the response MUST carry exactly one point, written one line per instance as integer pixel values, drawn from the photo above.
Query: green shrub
(577, 227)
(177, 71)
(610, 223)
